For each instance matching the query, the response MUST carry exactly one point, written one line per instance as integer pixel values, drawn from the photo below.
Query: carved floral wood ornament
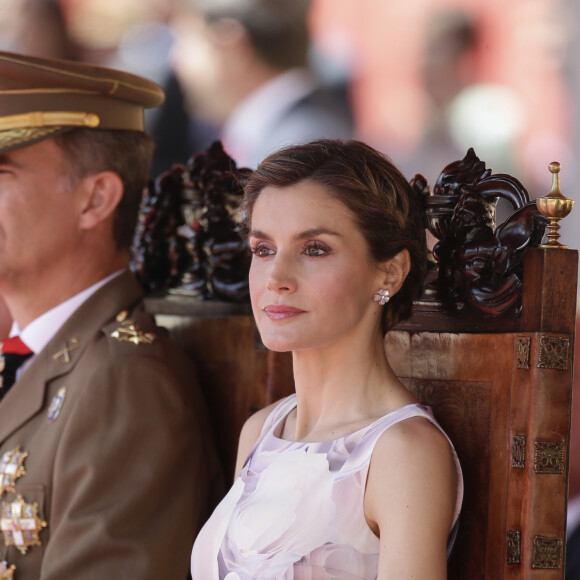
(187, 240)
(478, 264)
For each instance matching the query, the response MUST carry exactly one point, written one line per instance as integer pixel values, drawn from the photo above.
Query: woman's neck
(341, 390)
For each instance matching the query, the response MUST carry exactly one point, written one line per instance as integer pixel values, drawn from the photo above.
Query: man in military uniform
(106, 463)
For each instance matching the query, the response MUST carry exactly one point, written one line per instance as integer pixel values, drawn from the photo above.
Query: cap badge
(56, 405)
(11, 468)
(6, 571)
(64, 353)
(20, 524)
(130, 332)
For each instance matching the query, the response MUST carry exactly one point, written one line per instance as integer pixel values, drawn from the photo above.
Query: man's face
(39, 209)
(206, 60)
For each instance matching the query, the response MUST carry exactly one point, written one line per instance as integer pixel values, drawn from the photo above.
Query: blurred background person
(447, 67)
(244, 65)
(39, 28)
(130, 35)
(137, 36)
(519, 49)
(526, 49)
(461, 111)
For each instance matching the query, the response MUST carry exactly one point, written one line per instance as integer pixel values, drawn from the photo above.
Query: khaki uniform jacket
(119, 460)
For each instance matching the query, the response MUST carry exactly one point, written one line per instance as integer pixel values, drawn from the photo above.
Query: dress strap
(278, 413)
(362, 442)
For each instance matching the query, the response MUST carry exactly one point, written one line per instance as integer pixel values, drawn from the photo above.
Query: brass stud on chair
(555, 207)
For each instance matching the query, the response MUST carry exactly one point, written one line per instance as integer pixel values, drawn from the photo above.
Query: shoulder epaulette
(129, 331)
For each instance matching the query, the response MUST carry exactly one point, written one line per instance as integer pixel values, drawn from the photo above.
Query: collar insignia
(20, 524)
(64, 353)
(130, 332)
(55, 406)
(11, 468)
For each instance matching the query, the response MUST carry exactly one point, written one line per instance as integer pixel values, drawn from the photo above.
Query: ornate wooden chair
(489, 347)
(498, 372)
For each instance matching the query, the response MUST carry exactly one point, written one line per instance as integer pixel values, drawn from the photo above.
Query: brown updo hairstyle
(385, 207)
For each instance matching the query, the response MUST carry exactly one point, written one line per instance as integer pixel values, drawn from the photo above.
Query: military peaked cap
(40, 97)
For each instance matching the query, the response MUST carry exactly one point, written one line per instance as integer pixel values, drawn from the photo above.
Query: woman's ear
(102, 193)
(394, 271)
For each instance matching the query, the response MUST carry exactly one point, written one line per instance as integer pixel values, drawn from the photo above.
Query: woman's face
(312, 279)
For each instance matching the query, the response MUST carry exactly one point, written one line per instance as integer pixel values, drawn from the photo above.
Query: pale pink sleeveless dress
(296, 510)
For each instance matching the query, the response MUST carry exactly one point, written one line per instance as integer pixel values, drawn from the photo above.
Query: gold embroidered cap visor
(41, 97)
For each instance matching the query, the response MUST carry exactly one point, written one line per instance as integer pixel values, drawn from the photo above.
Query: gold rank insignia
(130, 332)
(20, 524)
(64, 354)
(6, 571)
(11, 468)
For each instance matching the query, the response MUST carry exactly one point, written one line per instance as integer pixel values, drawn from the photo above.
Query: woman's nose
(281, 276)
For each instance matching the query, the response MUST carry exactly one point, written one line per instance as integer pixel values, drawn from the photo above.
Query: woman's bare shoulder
(250, 433)
(414, 437)
(419, 450)
(410, 495)
(253, 425)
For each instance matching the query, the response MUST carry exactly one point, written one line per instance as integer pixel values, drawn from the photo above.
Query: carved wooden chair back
(490, 349)
(502, 391)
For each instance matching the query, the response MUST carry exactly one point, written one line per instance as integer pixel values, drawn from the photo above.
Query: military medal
(11, 468)
(20, 524)
(6, 571)
(56, 404)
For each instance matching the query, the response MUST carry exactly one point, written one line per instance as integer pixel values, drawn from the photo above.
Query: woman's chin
(277, 343)
(277, 346)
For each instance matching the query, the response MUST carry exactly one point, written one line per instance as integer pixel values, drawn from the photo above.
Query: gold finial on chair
(555, 207)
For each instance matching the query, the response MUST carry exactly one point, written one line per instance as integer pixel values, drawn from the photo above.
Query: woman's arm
(410, 500)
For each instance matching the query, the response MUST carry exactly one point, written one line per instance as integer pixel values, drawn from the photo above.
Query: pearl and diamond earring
(382, 296)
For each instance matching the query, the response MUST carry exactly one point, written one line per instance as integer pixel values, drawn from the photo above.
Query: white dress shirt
(40, 331)
(247, 129)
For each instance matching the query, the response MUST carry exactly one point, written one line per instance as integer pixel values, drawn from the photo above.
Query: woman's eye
(261, 251)
(315, 250)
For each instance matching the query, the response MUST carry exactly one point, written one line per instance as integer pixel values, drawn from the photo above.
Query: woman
(349, 477)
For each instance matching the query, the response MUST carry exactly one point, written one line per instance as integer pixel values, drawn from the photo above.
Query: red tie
(14, 352)
(15, 345)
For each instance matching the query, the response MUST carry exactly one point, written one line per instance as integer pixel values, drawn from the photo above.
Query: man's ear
(395, 270)
(102, 193)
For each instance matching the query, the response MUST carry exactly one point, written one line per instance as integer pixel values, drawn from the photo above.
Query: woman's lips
(277, 312)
